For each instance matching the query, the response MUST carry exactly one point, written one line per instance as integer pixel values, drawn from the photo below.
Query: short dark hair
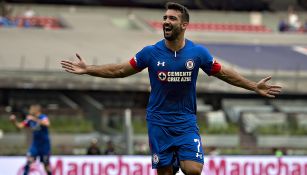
(184, 11)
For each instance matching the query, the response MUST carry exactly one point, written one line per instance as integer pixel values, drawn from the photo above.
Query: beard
(171, 32)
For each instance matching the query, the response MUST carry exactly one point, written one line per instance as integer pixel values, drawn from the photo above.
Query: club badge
(189, 64)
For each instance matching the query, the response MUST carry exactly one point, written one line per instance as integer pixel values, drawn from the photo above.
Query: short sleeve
(141, 59)
(43, 117)
(208, 64)
(26, 123)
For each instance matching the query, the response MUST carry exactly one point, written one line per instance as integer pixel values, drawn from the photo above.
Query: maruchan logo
(117, 166)
(135, 165)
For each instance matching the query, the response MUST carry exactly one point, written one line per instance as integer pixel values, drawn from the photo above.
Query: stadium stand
(33, 22)
(281, 141)
(217, 27)
(221, 141)
(216, 119)
(234, 107)
(253, 120)
(290, 106)
(202, 107)
(301, 120)
(51, 100)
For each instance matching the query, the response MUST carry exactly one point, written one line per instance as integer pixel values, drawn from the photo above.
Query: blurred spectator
(292, 24)
(5, 10)
(283, 26)
(214, 151)
(29, 12)
(5, 15)
(279, 152)
(305, 26)
(93, 149)
(110, 150)
(141, 148)
(293, 19)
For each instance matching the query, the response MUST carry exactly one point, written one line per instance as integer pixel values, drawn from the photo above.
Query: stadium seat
(216, 119)
(301, 120)
(290, 106)
(252, 120)
(234, 107)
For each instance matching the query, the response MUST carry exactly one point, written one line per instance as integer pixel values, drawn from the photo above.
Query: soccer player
(173, 64)
(40, 146)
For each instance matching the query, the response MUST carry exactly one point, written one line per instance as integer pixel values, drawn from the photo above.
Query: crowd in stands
(94, 149)
(27, 19)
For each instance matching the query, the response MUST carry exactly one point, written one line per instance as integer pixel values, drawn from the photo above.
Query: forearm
(234, 78)
(43, 123)
(106, 71)
(18, 125)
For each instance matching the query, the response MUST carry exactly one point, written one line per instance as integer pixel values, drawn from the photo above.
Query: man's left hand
(267, 90)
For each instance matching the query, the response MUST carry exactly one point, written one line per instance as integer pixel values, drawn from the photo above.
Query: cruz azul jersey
(173, 78)
(40, 133)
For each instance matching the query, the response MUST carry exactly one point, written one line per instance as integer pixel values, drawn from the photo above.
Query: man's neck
(176, 44)
(37, 114)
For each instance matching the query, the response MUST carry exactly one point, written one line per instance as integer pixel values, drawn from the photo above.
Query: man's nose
(167, 21)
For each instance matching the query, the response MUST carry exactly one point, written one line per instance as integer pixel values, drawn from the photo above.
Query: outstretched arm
(261, 87)
(105, 71)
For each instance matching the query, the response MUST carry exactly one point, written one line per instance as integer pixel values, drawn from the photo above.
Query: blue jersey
(173, 78)
(40, 138)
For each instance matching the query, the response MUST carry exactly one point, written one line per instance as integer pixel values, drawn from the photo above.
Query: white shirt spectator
(29, 13)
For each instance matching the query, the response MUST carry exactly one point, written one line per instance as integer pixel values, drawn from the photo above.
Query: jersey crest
(189, 64)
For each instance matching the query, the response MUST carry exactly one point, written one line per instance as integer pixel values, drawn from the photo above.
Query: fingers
(271, 93)
(270, 96)
(267, 79)
(275, 86)
(79, 57)
(66, 62)
(274, 92)
(67, 65)
(69, 69)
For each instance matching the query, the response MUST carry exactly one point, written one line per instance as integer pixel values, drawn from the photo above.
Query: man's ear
(184, 25)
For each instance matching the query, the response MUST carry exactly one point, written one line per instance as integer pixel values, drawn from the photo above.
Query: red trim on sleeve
(25, 123)
(133, 63)
(216, 67)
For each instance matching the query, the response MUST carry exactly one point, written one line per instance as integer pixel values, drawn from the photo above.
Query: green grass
(299, 131)
(231, 129)
(6, 125)
(70, 125)
(139, 125)
(281, 130)
(274, 130)
(60, 124)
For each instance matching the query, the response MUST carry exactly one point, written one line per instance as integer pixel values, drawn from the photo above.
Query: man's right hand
(13, 118)
(76, 67)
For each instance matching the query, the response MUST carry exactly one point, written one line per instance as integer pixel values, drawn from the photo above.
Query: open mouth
(167, 28)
